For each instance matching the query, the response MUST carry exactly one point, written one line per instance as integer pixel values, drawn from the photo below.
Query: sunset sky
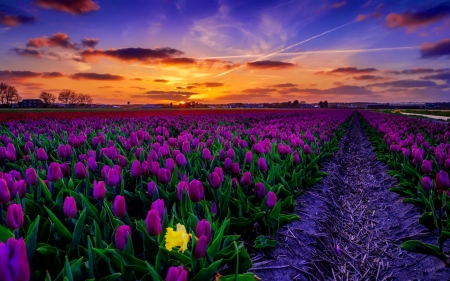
(162, 51)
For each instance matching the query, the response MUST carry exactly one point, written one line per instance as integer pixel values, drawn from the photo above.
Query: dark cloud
(338, 4)
(96, 76)
(340, 90)
(404, 84)
(52, 75)
(106, 87)
(136, 79)
(369, 77)
(56, 40)
(213, 84)
(132, 54)
(269, 64)
(75, 7)
(440, 76)
(284, 85)
(338, 83)
(15, 20)
(89, 42)
(258, 90)
(190, 87)
(178, 61)
(26, 52)
(439, 49)
(412, 20)
(166, 95)
(19, 75)
(179, 88)
(161, 81)
(347, 70)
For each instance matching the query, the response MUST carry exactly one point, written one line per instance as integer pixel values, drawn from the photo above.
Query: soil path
(351, 208)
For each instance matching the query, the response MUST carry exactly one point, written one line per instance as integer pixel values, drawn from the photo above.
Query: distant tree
(321, 104)
(325, 104)
(289, 103)
(295, 103)
(11, 95)
(84, 99)
(47, 98)
(64, 96)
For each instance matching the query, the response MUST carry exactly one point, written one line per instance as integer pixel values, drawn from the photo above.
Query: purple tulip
(99, 190)
(113, 178)
(182, 187)
(181, 160)
(13, 261)
(214, 180)
(164, 176)
(236, 169)
(219, 171)
(122, 161)
(70, 207)
(158, 205)
(427, 166)
(153, 223)
(65, 170)
(186, 147)
(19, 187)
(442, 181)
(227, 164)
(151, 188)
(296, 158)
(154, 168)
(119, 207)
(260, 190)
(206, 154)
(136, 170)
(200, 247)
(230, 153)
(307, 149)
(214, 208)
(121, 236)
(104, 172)
(246, 179)
(28, 148)
(170, 164)
(16, 175)
(31, 177)
(41, 154)
(92, 164)
(14, 216)
(271, 200)
(258, 148)
(248, 157)
(234, 183)
(447, 164)
(262, 165)
(177, 274)
(80, 171)
(54, 172)
(203, 228)
(427, 184)
(196, 191)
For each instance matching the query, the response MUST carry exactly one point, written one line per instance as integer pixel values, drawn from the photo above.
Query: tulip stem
(99, 206)
(198, 210)
(156, 245)
(1, 214)
(217, 202)
(51, 188)
(16, 234)
(70, 224)
(441, 246)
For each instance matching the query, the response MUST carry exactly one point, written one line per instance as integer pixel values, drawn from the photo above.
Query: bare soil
(351, 208)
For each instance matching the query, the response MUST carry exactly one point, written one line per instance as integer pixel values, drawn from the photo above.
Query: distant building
(437, 105)
(31, 103)
(405, 105)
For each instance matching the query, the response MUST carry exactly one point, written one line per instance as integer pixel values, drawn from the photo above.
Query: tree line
(9, 94)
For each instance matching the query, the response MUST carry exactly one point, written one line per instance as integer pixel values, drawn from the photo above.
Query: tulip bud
(164, 176)
(246, 179)
(186, 147)
(158, 205)
(236, 169)
(203, 228)
(427, 184)
(121, 236)
(427, 166)
(271, 200)
(206, 154)
(219, 171)
(14, 216)
(196, 191)
(92, 164)
(54, 172)
(296, 158)
(442, 181)
(70, 207)
(28, 147)
(214, 208)
(80, 171)
(248, 157)
(182, 187)
(181, 160)
(113, 178)
(136, 170)
(170, 164)
(262, 165)
(230, 153)
(446, 164)
(31, 177)
(177, 274)
(200, 247)
(19, 187)
(151, 188)
(258, 148)
(214, 180)
(119, 207)
(154, 168)
(99, 190)
(234, 183)
(227, 164)
(41, 154)
(14, 261)
(260, 190)
(153, 223)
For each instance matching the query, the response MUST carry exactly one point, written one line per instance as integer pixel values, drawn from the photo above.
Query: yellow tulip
(177, 238)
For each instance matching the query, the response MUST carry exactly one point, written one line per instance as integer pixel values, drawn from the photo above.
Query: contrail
(320, 52)
(282, 50)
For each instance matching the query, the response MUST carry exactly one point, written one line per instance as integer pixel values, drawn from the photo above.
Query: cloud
(361, 17)
(440, 76)
(285, 85)
(339, 90)
(347, 70)
(338, 83)
(412, 20)
(161, 81)
(106, 87)
(75, 7)
(132, 54)
(96, 76)
(206, 85)
(439, 49)
(269, 64)
(166, 95)
(136, 79)
(19, 75)
(15, 20)
(418, 71)
(52, 75)
(369, 77)
(178, 61)
(404, 84)
(89, 42)
(258, 90)
(56, 40)
(338, 5)
(139, 88)
(26, 52)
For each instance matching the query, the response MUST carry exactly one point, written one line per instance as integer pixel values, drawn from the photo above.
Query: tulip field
(418, 153)
(178, 195)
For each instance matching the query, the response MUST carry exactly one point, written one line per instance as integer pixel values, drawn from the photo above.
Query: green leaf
(428, 220)
(111, 277)
(30, 241)
(59, 226)
(214, 247)
(208, 272)
(48, 251)
(67, 271)
(184, 259)
(416, 246)
(77, 232)
(263, 242)
(240, 277)
(445, 235)
(5, 233)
